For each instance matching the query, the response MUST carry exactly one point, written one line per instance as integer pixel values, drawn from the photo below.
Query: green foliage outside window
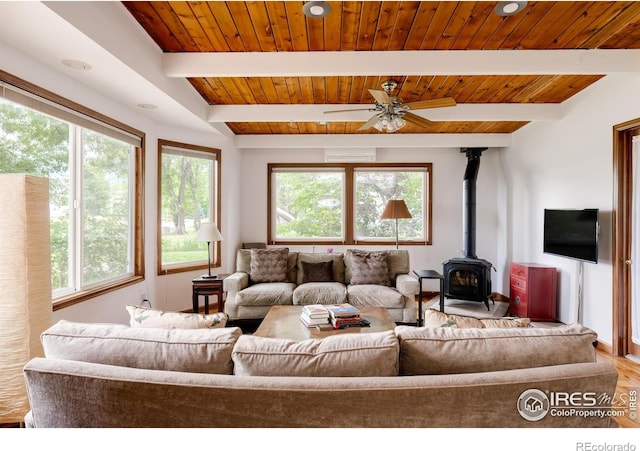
(186, 189)
(309, 204)
(374, 189)
(37, 144)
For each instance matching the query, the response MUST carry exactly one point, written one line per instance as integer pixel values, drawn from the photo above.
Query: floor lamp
(25, 285)
(209, 232)
(396, 209)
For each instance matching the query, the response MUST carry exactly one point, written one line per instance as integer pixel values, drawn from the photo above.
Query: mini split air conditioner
(350, 155)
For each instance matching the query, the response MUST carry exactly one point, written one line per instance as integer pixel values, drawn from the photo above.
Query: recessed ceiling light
(148, 106)
(316, 9)
(509, 8)
(75, 64)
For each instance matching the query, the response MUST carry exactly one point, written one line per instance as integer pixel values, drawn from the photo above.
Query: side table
(428, 274)
(206, 287)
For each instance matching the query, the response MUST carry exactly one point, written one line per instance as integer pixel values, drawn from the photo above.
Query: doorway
(624, 240)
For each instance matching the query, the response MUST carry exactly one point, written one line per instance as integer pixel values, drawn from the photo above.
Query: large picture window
(342, 203)
(189, 195)
(94, 169)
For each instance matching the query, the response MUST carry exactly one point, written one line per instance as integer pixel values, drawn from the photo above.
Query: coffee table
(283, 321)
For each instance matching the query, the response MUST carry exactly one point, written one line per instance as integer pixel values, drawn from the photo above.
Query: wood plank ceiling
(280, 26)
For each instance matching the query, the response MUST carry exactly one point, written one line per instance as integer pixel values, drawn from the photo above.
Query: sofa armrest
(407, 285)
(236, 282)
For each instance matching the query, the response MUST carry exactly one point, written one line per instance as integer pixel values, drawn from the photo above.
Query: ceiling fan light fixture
(390, 122)
(316, 10)
(509, 8)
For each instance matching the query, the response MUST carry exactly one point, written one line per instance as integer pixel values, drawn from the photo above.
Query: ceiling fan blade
(435, 103)
(380, 96)
(417, 120)
(370, 123)
(346, 111)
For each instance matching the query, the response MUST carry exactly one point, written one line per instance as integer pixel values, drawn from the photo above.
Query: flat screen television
(572, 233)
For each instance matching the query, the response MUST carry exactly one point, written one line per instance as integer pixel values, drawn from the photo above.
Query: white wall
(568, 164)
(448, 171)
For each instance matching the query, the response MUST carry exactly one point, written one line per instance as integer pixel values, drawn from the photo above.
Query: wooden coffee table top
(283, 321)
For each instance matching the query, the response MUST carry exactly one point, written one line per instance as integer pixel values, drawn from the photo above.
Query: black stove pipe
(469, 200)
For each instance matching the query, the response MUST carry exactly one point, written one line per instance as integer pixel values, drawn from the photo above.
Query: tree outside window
(342, 203)
(91, 184)
(189, 195)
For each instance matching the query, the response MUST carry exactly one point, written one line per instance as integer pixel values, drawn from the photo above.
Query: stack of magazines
(314, 315)
(345, 315)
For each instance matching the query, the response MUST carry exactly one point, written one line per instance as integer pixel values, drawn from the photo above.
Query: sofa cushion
(269, 265)
(188, 350)
(350, 355)
(436, 318)
(505, 322)
(446, 350)
(266, 294)
(398, 262)
(368, 267)
(317, 272)
(149, 317)
(375, 296)
(337, 266)
(320, 293)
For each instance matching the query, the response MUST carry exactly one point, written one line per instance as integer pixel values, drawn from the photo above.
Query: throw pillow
(269, 265)
(149, 317)
(436, 318)
(345, 355)
(317, 272)
(369, 268)
(189, 350)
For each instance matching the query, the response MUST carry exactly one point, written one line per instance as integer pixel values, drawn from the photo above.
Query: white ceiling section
(130, 68)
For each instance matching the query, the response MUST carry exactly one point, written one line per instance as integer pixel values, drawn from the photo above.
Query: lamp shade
(25, 285)
(396, 209)
(209, 232)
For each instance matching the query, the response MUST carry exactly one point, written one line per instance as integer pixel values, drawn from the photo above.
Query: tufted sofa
(361, 278)
(108, 375)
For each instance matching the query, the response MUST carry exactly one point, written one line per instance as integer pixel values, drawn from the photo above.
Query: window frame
(349, 207)
(215, 199)
(137, 275)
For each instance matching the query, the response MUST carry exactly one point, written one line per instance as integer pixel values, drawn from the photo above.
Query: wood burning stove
(469, 277)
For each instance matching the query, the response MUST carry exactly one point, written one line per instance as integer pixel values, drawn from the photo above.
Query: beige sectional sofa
(104, 375)
(327, 278)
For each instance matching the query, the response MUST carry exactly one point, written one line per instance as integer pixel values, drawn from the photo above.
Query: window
(309, 203)
(95, 196)
(342, 203)
(374, 187)
(189, 194)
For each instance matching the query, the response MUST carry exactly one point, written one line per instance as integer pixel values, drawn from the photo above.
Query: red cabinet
(533, 291)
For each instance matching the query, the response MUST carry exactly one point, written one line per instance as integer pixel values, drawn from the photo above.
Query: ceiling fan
(392, 114)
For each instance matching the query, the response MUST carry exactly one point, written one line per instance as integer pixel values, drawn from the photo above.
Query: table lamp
(396, 209)
(209, 232)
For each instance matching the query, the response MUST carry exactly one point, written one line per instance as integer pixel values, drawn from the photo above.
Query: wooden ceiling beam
(411, 62)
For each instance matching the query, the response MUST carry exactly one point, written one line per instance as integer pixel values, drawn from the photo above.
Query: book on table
(314, 315)
(343, 310)
(346, 315)
(344, 325)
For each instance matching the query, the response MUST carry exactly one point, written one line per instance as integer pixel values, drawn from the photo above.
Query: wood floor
(628, 379)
